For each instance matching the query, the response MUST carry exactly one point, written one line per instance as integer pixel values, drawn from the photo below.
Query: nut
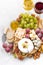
(33, 15)
(34, 51)
(36, 55)
(20, 57)
(41, 48)
(29, 55)
(37, 17)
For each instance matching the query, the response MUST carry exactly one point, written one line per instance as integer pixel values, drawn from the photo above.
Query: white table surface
(9, 10)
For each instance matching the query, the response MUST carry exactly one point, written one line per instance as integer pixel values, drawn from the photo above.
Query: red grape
(7, 49)
(27, 36)
(42, 31)
(40, 35)
(10, 46)
(4, 45)
(27, 30)
(42, 39)
(37, 31)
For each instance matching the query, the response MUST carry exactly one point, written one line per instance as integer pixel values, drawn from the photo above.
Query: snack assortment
(24, 37)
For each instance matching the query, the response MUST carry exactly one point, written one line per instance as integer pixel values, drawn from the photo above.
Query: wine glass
(39, 8)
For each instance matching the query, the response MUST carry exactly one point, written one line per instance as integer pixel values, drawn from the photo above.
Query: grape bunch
(27, 33)
(28, 21)
(39, 32)
(7, 47)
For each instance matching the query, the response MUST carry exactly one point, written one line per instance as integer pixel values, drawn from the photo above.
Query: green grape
(35, 26)
(22, 22)
(30, 17)
(25, 26)
(20, 25)
(35, 20)
(26, 15)
(31, 25)
(28, 25)
(21, 14)
(27, 19)
(23, 17)
(25, 22)
(31, 20)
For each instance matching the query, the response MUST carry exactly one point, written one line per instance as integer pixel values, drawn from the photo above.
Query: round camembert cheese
(25, 45)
